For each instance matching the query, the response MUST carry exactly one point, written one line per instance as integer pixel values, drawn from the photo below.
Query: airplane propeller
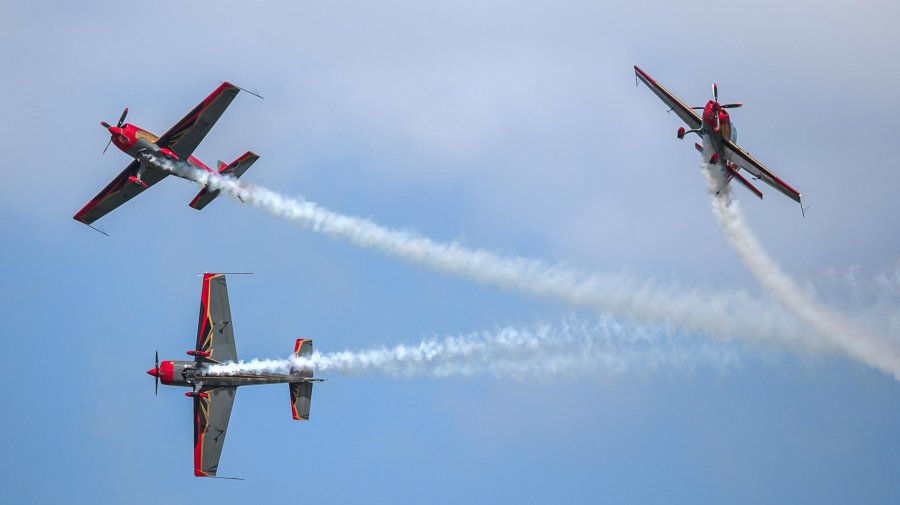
(118, 125)
(156, 389)
(724, 105)
(715, 89)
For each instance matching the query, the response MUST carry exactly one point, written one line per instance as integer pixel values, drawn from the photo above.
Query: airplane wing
(214, 332)
(684, 112)
(742, 158)
(186, 135)
(117, 192)
(211, 416)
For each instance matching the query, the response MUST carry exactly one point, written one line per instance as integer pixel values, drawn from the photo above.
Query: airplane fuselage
(717, 126)
(192, 374)
(133, 141)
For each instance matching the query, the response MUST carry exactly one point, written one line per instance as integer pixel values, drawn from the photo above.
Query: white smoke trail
(873, 297)
(567, 349)
(721, 315)
(857, 342)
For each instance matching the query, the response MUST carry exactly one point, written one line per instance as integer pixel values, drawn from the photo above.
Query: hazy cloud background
(510, 126)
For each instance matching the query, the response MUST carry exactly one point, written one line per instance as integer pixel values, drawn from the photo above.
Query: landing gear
(136, 179)
(682, 132)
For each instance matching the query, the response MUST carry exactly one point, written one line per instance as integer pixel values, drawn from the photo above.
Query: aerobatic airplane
(717, 128)
(213, 395)
(178, 143)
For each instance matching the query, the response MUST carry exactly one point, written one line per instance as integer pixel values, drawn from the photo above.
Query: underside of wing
(212, 409)
(683, 111)
(215, 334)
(117, 192)
(740, 157)
(186, 135)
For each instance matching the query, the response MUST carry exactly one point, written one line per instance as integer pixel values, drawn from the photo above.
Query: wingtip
(638, 72)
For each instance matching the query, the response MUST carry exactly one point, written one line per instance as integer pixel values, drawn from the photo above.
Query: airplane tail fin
(301, 392)
(235, 169)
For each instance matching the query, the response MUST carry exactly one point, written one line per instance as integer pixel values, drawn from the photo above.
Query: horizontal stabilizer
(732, 173)
(235, 169)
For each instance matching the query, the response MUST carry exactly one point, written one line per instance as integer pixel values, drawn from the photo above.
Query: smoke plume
(570, 348)
(722, 315)
(854, 340)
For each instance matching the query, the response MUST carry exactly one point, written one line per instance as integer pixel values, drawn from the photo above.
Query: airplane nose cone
(154, 372)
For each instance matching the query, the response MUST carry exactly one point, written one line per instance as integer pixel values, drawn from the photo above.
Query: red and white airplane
(178, 143)
(717, 128)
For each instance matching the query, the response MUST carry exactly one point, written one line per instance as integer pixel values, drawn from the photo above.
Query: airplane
(213, 395)
(716, 127)
(179, 142)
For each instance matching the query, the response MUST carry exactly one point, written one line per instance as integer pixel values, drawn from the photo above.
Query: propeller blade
(732, 105)
(156, 388)
(717, 122)
(104, 124)
(715, 93)
(107, 146)
(122, 118)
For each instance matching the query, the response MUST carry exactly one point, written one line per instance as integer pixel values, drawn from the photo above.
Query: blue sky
(514, 127)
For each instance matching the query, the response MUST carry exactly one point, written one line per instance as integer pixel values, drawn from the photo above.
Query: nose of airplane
(154, 372)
